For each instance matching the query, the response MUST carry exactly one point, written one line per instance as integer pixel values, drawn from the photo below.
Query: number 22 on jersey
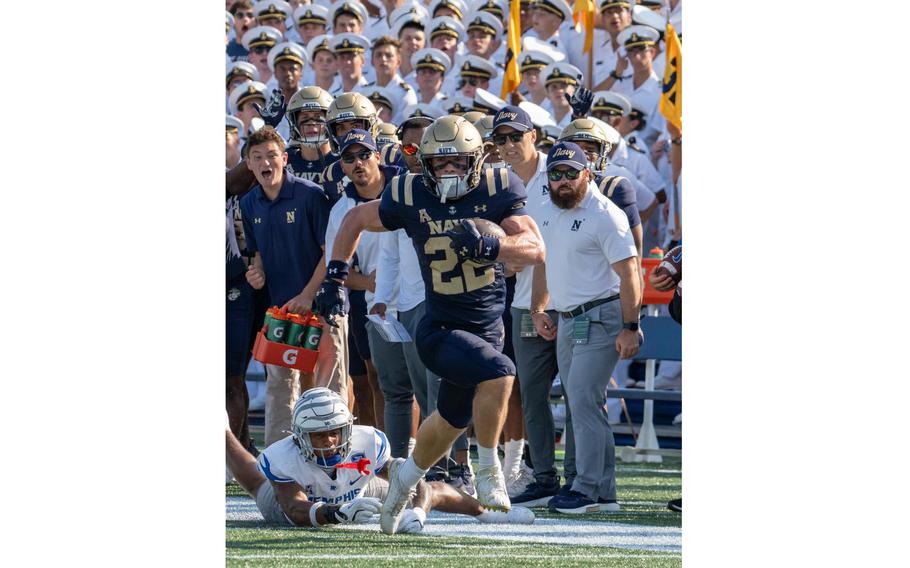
(445, 279)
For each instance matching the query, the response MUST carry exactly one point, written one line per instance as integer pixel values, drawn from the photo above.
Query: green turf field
(644, 533)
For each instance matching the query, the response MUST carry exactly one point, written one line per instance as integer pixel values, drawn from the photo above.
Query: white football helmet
(320, 410)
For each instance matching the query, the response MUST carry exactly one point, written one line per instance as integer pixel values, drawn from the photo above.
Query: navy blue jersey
(303, 168)
(620, 191)
(333, 178)
(462, 293)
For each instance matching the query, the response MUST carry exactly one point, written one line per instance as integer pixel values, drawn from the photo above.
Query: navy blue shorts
(462, 357)
(358, 346)
(239, 324)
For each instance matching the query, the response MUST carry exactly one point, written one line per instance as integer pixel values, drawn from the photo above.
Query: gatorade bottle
(278, 327)
(297, 328)
(656, 252)
(313, 334)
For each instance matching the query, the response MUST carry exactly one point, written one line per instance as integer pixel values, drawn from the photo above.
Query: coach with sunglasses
(592, 277)
(515, 138)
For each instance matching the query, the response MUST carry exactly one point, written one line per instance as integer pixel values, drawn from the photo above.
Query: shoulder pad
(402, 188)
(609, 184)
(327, 173)
(497, 179)
(405, 86)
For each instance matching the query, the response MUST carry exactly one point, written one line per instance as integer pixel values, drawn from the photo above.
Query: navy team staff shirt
(466, 294)
(288, 233)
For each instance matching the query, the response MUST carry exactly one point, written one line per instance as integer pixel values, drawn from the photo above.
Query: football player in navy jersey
(461, 336)
(309, 151)
(347, 112)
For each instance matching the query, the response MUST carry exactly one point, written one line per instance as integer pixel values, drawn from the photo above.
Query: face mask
(451, 187)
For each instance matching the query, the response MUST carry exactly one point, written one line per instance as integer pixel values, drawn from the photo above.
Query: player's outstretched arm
(303, 512)
(524, 245)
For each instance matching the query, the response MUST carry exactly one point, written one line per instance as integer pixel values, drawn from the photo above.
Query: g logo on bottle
(289, 356)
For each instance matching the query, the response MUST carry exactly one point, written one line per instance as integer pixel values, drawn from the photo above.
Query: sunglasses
(515, 137)
(261, 49)
(556, 175)
(362, 155)
(473, 82)
(409, 149)
(244, 15)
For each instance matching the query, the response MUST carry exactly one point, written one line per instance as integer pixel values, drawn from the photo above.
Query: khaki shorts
(273, 514)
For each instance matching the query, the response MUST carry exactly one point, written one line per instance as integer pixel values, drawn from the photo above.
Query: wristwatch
(615, 76)
(631, 326)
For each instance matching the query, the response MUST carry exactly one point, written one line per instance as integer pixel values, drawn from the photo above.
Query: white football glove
(359, 510)
(412, 521)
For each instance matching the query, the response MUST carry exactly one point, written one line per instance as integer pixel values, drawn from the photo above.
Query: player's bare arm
(295, 505)
(523, 245)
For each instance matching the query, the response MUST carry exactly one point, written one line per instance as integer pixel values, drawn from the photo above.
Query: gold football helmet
(308, 99)
(589, 130)
(351, 106)
(388, 134)
(451, 136)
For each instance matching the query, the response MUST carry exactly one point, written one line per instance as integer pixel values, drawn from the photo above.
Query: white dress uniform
(282, 462)
(337, 87)
(405, 95)
(644, 197)
(639, 164)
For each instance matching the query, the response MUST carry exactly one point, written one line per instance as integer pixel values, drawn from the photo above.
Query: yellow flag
(512, 76)
(671, 99)
(584, 13)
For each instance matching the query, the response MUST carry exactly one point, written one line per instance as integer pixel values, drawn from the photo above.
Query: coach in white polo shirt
(592, 277)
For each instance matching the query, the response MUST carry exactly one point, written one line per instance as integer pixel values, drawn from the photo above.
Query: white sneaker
(395, 500)
(491, 488)
(412, 521)
(515, 516)
(516, 484)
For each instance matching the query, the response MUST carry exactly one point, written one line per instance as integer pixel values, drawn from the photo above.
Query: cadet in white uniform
(259, 41)
(385, 57)
(349, 49)
(430, 66)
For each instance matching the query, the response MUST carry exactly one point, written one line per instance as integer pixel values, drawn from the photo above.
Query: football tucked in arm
(486, 228)
(671, 265)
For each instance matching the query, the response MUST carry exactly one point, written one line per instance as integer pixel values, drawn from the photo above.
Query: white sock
(410, 473)
(512, 462)
(486, 457)
(411, 443)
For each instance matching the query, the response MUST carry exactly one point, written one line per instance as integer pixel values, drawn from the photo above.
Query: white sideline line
(645, 470)
(558, 531)
(412, 555)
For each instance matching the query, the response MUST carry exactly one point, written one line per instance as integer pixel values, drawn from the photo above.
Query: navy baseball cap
(357, 136)
(513, 116)
(567, 154)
